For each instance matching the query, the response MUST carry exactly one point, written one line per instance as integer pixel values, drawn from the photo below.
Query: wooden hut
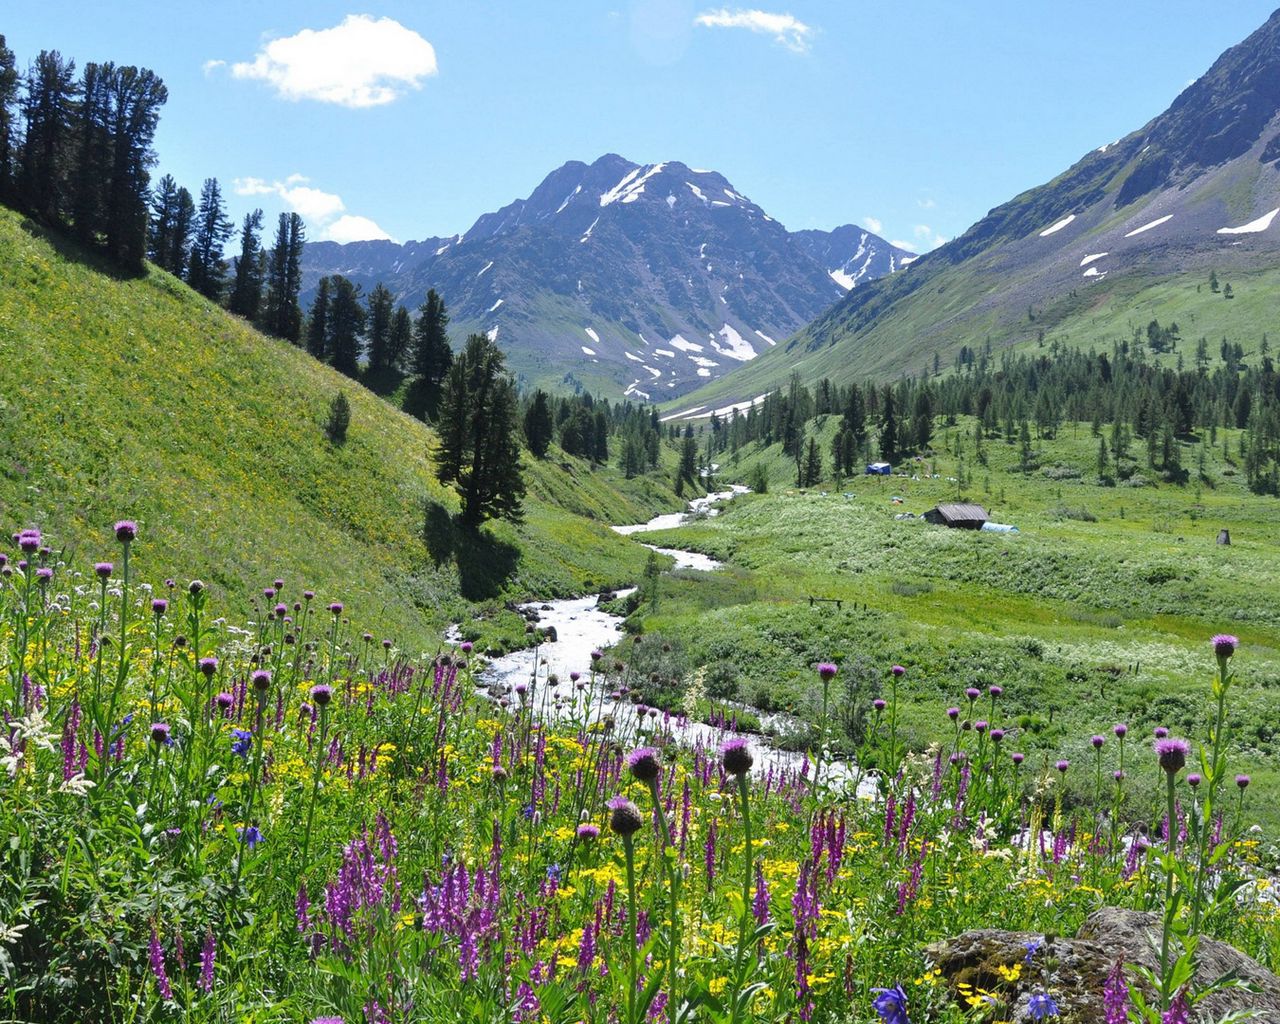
(958, 517)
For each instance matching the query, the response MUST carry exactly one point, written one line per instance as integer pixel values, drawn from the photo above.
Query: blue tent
(879, 469)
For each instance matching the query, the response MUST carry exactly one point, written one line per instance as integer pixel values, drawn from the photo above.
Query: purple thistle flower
(224, 700)
(879, 704)
(159, 606)
(44, 573)
(997, 735)
(953, 713)
(1063, 765)
(160, 734)
(1018, 757)
(322, 694)
(1194, 779)
(1115, 996)
(735, 755)
(1098, 741)
(1224, 645)
(1161, 732)
(336, 607)
(645, 764)
(195, 587)
(898, 670)
(891, 1004)
(1172, 754)
(156, 955)
(588, 831)
(261, 679)
(126, 530)
(1120, 729)
(1242, 781)
(208, 953)
(827, 671)
(209, 667)
(995, 689)
(625, 817)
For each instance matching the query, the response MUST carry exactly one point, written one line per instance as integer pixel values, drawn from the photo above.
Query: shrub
(335, 427)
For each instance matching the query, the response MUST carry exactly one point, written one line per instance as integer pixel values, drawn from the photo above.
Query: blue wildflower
(1042, 1006)
(1031, 947)
(242, 742)
(251, 836)
(554, 872)
(891, 1004)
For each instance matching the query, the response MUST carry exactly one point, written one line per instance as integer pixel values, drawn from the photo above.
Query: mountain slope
(644, 279)
(138, 398)
(1197, 188)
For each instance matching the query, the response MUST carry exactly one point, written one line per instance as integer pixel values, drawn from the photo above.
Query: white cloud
(363, 62)
(926, 239)
(899, 244)
(212, 65)
(873, 224)
(318, 208)
(348, 228)
(926, 204)
(785, 29)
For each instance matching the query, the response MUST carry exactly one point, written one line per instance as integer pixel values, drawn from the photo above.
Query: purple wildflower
(1041, 1006)
(827, 671)
(1098, 741)
(261, 679)
(126, 530)
(242, 742)
(1179, 1011)
(891, 1004)
(736, 757)
(160, 733)
(1172, 754)
(1063, 765)
(645, 764)
(156, 955)
(1224, 645)
(322, 693)
(159, 606)
(209, 667)
(879, 704)
(1242, 781)
(625, 816)
(1115, 996)
(760, 902)
(588, 831)
(1120, 729)
(208, 953)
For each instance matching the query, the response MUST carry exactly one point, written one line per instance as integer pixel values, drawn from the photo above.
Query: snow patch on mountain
(585, 236)
(1055, 228)
(494, 307)
(485, 268)
(765, 337)
(664, 352)
(684, 346)
(592, 335)
(1253, 227)
(568, 199)
(735, 345)
(587, 351)
(629, 188)
(1147, 227)
(1093, 256)
(844, 280)
(634, 359)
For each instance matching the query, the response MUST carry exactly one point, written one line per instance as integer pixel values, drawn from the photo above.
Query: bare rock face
(1074, 970)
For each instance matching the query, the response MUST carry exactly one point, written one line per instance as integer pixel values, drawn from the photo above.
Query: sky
(410, 119)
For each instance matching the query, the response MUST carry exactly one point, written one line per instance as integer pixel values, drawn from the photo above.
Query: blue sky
(410, 119)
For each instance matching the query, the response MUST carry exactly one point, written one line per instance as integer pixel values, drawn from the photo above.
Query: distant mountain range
(1197, 188)
(645, 280)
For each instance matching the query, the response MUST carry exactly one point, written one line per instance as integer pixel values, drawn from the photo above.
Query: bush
(335, 427)
(1081, 514)
(1062, 473)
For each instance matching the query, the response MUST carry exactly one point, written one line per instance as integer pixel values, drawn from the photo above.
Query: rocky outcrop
(1074, 970)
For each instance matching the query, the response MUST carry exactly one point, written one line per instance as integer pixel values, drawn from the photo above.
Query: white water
(582, 627)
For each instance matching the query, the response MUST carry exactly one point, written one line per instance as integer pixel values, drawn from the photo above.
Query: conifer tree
(812, 474)
(401, 340)
(281, 314)
(318, 321)
(135, 96)
(207, 271)
(431, 354)
(888, 425)
(346, 323)
(479, 450)
(9, 82)
(538, 427)
(378, 316)
(51, 89)
(246, 286)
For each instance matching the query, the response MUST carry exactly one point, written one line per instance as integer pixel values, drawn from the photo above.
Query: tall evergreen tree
(888, 425)
(318, 321)
(250, 269)
(281, 314)
(93, 154)
(135, 96)
(346, 323)
(207, 272)
(51, 90)
(538, 426)
(431, 353)
(10, 80)
(401, 340)
(479, 450)
(379, 313)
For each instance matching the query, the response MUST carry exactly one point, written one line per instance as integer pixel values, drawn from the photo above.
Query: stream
(581, 626)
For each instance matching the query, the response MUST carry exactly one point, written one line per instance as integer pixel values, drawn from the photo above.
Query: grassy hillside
(138, 398)
(1099, 609)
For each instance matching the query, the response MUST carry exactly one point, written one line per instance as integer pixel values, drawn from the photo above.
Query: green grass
(138, 398)
(1084, 622)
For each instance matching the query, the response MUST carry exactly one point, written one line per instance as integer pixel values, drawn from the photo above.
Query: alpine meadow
(648, 604)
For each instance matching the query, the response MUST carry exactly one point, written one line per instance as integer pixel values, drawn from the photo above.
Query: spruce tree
(812, 464)
(431, 354)
(346, 323)
(888, 425)
(207, 272)
(380, 309)
(538, 427)
(9, 82)
(281, 314)
(246, 286)
(51, 91)
(318, 321)
(479, 450)
(135, 96)
(401, 340)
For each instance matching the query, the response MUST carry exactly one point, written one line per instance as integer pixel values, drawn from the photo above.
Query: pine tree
(346, 322)
(479, 451)
(888, 426)
(922, 418)
(812, 464)
(9, 82)
(93, 154)
(401, 340)
(600, 439)
(380, 309)
(135, 96)
(688, 458)
(538, 427)
(246, 286)
(47, 110)
(281, 314)
(207, 272)
(431, 354)
(318, 321)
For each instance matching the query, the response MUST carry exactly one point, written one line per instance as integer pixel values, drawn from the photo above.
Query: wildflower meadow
(290, 819)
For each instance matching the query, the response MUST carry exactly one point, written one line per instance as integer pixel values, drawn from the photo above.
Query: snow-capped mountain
(647, 280)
